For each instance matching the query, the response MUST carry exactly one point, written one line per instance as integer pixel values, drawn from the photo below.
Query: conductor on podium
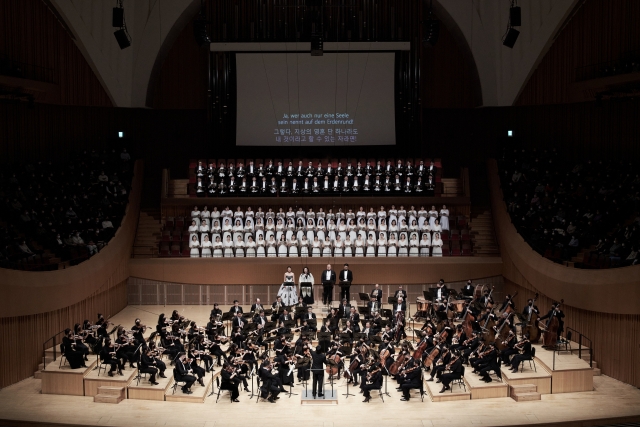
(346, 277)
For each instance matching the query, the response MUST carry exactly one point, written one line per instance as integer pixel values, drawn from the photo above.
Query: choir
(385, 233)
(315, 178)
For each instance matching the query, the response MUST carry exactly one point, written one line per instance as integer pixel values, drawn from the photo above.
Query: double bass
(531, 326)
(551, 328)
(467, 321)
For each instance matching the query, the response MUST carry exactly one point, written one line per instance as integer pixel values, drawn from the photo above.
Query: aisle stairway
(482, 232)
(147, 234)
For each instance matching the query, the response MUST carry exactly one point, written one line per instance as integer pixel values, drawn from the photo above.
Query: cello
(397, 365)
(532, 327)
(551, 328)
(428, 361)
(467, 321)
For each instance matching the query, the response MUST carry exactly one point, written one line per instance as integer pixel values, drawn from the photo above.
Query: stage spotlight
(123, 38)
(120, 134)
(511, 37)
(509, 133)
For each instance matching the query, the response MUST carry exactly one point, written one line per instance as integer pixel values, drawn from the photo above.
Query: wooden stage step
(523, 388)
(198, 396)
(37, 375)
(540, 378)
(481, 390)
(457, 392)
(108, 394)
(525, 397)
(93, 382)
(596, 372)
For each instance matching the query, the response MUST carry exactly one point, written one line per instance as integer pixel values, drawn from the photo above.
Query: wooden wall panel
(30, 33)
(599, 31)
(23, 336)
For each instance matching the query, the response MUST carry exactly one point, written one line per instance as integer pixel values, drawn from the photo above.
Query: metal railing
(581, 339)
(55, 349)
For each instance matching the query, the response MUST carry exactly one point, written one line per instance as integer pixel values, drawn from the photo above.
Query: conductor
(317, 367)
(328, 280)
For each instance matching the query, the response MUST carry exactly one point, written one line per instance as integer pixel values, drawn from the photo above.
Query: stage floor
(611, 400)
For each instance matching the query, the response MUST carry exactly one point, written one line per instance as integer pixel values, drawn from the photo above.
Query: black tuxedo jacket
(401, 293)
(233, 309)
(323, 278)
(349, 276)
(378, 297)
(344, 310)
(404, 307)
(253, 307)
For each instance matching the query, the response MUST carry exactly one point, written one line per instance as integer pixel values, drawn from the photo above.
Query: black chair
(176, 381)
(63, 358)
(459, 381)
(140, 374)
(531, 359)
(100, 364)
(224, 386)
(566, 342)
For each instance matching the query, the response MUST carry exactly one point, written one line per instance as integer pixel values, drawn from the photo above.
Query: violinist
(282, 330)
(148, 366)
(176, 317)
(470, 345)
(214, 326)
(126, 346)
(455, 369)
(305, 319)
(79, 335)
(271, 385)
(286, 364)
(409, 379)
(303, 358)
(490, 364)
(201, 349)
(524, 348)
(74, 356)
(373, 381)
(184, 373)
(230, 381)
(92, 337)
(376, 322)
(157, 362)
(509, 349)
(193, 365)
(138, 333)
(108, 356)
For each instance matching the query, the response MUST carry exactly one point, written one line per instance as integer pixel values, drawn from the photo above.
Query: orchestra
(365, 347)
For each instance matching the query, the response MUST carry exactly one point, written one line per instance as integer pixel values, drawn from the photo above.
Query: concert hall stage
(30, 402)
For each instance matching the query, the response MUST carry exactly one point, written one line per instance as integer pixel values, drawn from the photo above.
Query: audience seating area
(565, 208)
(288, 233)
(271, 177)
(62, 212)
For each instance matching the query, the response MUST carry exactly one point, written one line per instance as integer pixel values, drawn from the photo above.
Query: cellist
(555, 311)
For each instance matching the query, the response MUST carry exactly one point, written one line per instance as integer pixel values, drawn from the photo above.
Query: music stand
(345, 337)
(385, 312)
(364, 297)
(392, 300)
(428, 295)
(375, 339)
(358, 335)
(289, 324)
(323, 340)
(227, 317)
(364, 311)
